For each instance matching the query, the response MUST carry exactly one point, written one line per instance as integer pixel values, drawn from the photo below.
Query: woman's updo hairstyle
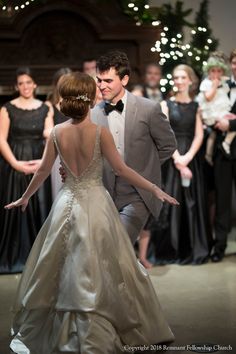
(77, 92)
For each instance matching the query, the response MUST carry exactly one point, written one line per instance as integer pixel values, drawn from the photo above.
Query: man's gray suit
(149, 141)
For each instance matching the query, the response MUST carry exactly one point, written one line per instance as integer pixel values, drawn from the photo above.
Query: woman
(23, 124)
(82, 290)
(54, 98)
(183, 235)
(58, 117)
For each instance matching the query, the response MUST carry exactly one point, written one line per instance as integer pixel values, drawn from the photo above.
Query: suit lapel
(130, 118)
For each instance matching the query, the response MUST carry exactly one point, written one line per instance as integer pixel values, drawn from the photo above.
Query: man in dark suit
(225, 172)
(152, 77)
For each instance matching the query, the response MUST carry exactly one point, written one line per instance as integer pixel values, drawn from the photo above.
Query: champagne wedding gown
(83, 290)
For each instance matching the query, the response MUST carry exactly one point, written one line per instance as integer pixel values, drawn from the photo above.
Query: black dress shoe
(217, 257)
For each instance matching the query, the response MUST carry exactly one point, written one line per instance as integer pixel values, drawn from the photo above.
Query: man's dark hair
(152, 63)
(232, 55)
(88, 59)
(114, 59)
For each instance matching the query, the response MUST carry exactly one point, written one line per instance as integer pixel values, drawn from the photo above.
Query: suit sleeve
(232, 125)
(162, 134)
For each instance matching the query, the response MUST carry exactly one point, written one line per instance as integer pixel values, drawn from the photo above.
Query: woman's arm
(21, 166)
(121, 169)
(49, 123)
(185, 159)
(39, 177)
(176, 154)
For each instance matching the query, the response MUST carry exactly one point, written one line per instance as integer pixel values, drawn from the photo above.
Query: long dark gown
(182, 234)
(19, 230)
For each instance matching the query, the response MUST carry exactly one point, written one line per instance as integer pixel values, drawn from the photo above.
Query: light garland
(20, 6)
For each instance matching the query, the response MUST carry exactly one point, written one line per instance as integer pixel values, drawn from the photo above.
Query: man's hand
(63, 174)
(222, 125)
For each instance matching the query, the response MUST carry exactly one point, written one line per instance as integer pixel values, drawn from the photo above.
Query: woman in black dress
(183, 234)
(24, 124)
(53, 101)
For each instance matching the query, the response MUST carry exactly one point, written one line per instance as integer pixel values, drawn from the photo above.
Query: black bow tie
(117, 107)
(232, 84)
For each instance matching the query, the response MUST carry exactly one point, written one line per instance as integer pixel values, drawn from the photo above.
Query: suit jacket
(232, 127)
(149, 141)
(145, 94)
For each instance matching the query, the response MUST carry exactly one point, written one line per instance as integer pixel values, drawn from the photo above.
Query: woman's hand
(182, 160)
(27, 167)
(185, 172)
(23, 202)
(164, 197)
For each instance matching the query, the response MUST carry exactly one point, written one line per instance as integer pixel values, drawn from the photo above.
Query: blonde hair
(78, 92)
(192, 76)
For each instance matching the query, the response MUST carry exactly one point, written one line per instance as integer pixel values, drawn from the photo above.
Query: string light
(18, 7)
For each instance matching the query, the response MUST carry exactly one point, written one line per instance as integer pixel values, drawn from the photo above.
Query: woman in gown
(183, 234)
(23, 125)
(82, 290)
(58, 117)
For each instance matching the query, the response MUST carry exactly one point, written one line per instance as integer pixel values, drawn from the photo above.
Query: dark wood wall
(57, 33)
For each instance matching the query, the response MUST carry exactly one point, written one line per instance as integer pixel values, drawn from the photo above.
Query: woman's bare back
(76, 143)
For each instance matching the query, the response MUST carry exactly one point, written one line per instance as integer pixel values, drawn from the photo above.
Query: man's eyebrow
(98, 78)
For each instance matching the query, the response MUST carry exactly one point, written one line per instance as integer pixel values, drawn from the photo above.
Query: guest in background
(24, 122)
(183, 234)
(152, 77)
(137, 90)
(214, 102)
(58, 117)
(225, 171)
(89, 66)
(151, 90)
(54, 98)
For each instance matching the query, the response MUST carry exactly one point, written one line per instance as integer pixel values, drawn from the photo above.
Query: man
(152, 79)
(89, 67)
(142, 135)
(225, 172)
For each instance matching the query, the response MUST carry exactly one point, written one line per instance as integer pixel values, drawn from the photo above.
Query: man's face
(233, 67)
(110, 85)
(152, 76)
(89, 67)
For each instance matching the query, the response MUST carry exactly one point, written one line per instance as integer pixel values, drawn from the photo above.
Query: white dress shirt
(116, 122)
(233, 92)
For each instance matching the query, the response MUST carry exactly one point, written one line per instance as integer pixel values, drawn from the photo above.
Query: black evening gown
(58, 116)
(18, 230)
(182, 234)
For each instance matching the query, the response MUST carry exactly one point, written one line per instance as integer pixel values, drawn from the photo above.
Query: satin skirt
(83, 290)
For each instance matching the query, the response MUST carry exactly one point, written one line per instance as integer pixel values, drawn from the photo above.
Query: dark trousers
(225, 175)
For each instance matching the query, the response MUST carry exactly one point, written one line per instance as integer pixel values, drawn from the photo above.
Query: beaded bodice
(91, 176)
